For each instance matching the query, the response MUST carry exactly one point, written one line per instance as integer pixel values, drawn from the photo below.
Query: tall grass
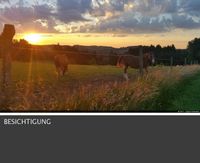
(37, 94)
(169, 88)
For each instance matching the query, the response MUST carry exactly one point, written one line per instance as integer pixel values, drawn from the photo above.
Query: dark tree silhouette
(194, 49)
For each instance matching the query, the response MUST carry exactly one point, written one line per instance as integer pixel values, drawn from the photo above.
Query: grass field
(46, 71)
(90, 88)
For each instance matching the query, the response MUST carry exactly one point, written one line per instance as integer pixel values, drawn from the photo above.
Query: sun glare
(33, 38)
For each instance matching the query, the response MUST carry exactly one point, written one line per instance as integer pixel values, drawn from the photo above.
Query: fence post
(171, 62)
(6, 45)
(185, 61)
(141, 60)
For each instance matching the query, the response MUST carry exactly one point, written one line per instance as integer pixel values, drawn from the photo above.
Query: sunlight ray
(28, 82)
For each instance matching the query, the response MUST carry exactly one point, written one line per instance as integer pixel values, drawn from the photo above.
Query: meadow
(36, 87)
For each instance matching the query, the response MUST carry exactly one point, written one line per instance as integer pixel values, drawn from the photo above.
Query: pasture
(23, 71)
(87, 87)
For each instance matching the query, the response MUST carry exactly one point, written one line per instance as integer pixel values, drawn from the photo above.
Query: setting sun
(33, 38)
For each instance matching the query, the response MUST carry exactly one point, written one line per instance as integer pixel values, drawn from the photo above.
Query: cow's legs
(146, 70)
(65, 69)
(63, 72)
(125, 73)
(59, 71)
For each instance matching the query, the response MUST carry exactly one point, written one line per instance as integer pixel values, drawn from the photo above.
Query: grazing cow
(61, 63)
(134, 62)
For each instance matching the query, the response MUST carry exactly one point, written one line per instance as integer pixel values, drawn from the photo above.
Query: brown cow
(134, 62)
(61, 63)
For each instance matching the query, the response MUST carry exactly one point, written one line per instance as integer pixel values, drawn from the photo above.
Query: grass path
(183, 96)
(189, 97)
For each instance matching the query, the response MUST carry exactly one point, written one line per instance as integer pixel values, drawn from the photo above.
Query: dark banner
(94, 139)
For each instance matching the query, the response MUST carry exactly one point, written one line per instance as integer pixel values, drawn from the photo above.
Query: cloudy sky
(105, 22)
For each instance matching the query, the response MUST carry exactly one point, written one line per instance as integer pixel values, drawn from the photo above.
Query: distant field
(89, 88)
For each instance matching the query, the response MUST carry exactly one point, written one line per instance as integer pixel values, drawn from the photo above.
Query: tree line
(180, 56)
(162, 54)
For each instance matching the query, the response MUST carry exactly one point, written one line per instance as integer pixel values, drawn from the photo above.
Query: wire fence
(67, 52)
(170, 61)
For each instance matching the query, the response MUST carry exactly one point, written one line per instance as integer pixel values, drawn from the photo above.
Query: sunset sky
(115, 23)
